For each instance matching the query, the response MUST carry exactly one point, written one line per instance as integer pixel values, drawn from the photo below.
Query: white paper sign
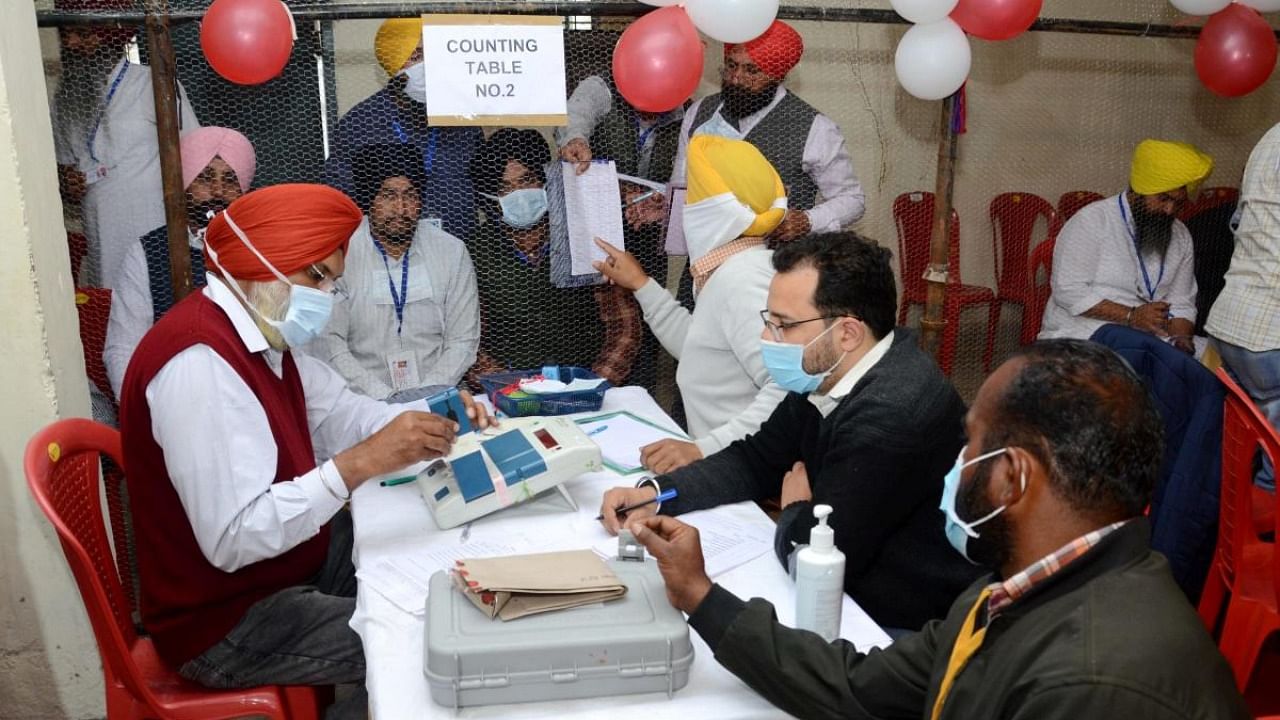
(494, 70)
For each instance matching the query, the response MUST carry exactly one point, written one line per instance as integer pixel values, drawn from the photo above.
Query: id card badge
(95, 174)
(436, 223)
(403, 367)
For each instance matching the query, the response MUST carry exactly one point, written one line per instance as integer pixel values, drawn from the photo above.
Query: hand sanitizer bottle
(820, 580)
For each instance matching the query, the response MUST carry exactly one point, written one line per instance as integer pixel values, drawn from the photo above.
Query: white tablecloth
(392, 521)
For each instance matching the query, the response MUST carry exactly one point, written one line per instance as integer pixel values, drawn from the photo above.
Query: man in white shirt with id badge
(410, 323)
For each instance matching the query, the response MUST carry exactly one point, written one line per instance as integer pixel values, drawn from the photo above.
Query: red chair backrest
(93, 304)
(1209, 199)
(913, 218)
(1013, 221)
(1041, 261)
(62, 467)
(1069, 203)
(1244, 431)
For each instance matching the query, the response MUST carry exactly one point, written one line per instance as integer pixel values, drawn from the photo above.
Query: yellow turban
(396, 40)
(1160, 166)
(733, 191)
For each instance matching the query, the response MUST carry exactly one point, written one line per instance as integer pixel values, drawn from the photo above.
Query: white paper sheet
(404, 580)
(593, 208)
(620, 438)
(726, 543)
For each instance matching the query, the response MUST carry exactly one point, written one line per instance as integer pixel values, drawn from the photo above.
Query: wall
(48, 659)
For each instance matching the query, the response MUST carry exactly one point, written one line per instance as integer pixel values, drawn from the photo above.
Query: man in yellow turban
(735, 198)
(397, 114)
(1127, 259)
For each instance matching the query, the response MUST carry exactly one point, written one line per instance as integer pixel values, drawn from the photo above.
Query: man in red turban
(803, 145)
(243, 545)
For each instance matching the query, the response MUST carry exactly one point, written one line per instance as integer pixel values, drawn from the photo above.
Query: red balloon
(247, 41)
(658, 60)
(1236, 51)
(996, 19)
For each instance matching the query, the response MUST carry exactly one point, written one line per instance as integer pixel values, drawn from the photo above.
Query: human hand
(795, 485)
(624, 497)
(71, 183)
(1184, 343)
(648, 211)
(410, 437)
(795, 225)
(1153, 317)
(577, 150)
(678, 551)
(477, 413)
(621, 268)
(667, 455)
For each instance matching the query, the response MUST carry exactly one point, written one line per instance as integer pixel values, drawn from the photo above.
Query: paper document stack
(518, 585)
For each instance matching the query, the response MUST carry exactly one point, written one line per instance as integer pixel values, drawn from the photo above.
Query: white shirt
(128, 201)
(221, 457)
(132, 311)
(726, 388)
(1247, 313)
(1095, 260)
(827, 403)
(441, 313)
(826, 161)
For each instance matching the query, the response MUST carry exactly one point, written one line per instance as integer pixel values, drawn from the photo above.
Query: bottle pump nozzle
(822, 537)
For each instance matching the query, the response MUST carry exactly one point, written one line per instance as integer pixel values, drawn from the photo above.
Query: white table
(391, 521)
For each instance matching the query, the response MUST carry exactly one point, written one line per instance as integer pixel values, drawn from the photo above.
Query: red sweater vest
(187, 604)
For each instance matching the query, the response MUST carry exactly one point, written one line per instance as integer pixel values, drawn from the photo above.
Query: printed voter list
(494, 69)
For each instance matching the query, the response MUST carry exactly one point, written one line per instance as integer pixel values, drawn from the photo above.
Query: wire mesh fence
(1050, 123)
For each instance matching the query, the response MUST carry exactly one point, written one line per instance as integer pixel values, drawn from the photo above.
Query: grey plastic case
(638, 644)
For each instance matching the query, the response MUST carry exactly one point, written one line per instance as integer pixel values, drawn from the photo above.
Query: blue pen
(598, 430)
(665, 496)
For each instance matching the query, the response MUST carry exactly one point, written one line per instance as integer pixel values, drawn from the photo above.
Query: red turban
(292, 226)
(776, 51)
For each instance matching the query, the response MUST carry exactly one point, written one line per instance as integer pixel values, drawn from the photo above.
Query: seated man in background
(397, 114)
(735, 199)
(410, 322)
(527, 321)
(1080, 619)
(243, 544)
(217, 168)
(869, 426)
(1127, 259)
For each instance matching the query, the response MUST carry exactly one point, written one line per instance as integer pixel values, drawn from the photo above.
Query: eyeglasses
(318, 275)
(777, 329)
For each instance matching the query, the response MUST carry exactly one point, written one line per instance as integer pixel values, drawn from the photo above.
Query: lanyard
(429, 158)
(1146, 279)
(642, 136)
(102, 110)
(398, 300)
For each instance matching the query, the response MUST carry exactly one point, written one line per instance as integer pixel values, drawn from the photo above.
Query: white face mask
(710, 223)
(416, 88)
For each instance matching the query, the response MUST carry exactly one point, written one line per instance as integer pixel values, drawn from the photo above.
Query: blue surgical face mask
(958, 531)
(785, 363)
(309, 308)
(522, 208)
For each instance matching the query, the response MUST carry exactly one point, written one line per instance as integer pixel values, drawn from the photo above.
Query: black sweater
(878, 460)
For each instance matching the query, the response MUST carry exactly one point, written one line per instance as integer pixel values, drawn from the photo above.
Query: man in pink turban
(805, 146)
(242, 455)
(217, 167)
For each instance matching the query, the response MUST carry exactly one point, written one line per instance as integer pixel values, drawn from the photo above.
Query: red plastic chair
(62, 465)
(1244, 568)
(1069, 203)
(78, 246)
(1209, 199)
(1013, 222)
(93, 304)
(913, 216)
(1041, 266)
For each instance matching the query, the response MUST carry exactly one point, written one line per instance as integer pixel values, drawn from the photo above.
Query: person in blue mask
(869, 426)
(526, 321)
(1079, 618)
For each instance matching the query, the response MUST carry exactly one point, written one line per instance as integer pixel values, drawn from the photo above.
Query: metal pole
(164, 89)
(934, 321)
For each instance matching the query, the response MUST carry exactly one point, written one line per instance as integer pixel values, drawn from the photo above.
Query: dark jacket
(878, 460)
(1184, 507)
(1108, 636)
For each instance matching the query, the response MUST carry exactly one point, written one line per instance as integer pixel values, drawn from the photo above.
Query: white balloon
(933, 60)
(1262, 5)
(661, 3)
(922, 12)
(1200, 7)
(732, 21)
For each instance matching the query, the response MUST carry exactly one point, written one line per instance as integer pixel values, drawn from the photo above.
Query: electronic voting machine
(499, 466)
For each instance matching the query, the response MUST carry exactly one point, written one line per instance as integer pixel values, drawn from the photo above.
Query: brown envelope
(518, 585)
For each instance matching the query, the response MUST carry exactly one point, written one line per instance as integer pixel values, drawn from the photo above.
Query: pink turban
(201, 145)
